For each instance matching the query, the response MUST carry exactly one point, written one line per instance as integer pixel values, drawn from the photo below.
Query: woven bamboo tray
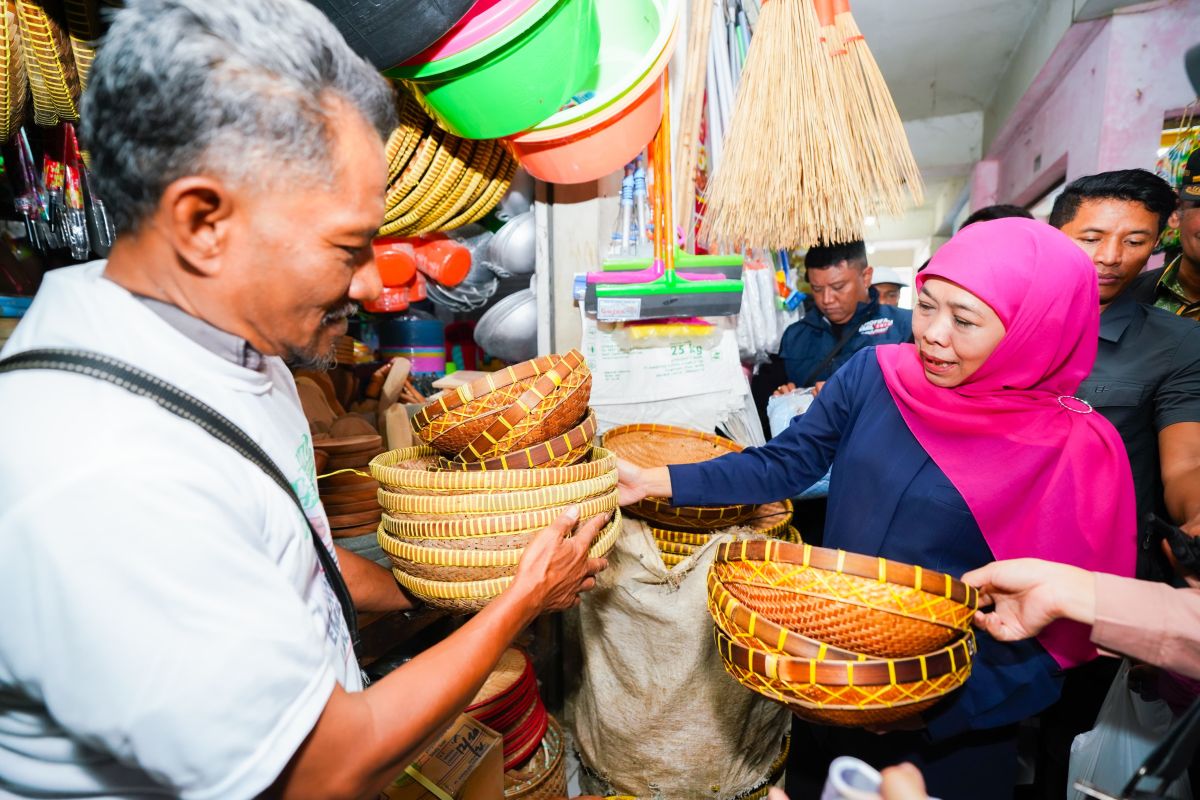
(412, 470)
(509, 703)
(435, 505)
(750, 629)
(467, 597)
(456, 419)
(466, 564)
(855, 602)
(492, 525)
(491, 193)
(660, 445)
(13, 80)
(851, 693)
(50, 65)
(544, 777)
(770, 519)
(550, 407)
(559, 451)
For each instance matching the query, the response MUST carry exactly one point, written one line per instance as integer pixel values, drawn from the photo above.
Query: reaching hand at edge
(1027, 594)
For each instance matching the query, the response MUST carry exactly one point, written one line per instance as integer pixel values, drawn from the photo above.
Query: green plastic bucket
(514, 80)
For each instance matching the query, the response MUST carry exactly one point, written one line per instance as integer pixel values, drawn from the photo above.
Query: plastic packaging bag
(1127, 729)
(783, 408)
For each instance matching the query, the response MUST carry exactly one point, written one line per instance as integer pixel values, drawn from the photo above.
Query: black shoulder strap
(182, 404)
(847, 335)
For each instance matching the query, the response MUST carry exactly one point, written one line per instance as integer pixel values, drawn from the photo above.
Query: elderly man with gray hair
(174, 625)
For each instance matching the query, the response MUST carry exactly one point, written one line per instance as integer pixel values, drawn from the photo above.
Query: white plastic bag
(1127, 729)
(783, 408)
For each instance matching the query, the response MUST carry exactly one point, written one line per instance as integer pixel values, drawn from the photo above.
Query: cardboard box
(467, 763)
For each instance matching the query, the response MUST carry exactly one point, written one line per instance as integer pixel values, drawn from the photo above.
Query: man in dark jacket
(845, 315)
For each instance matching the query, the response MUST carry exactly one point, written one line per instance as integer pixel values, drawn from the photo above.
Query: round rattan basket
(413, 470)
(440, 563)
(559, 451)
(659, 445)
(544, 777)
(468, 596)
(486, 525)
(509, 703)
(752, 630)
(401, 505)
(855, 602)
(544, 386)
(850, 693)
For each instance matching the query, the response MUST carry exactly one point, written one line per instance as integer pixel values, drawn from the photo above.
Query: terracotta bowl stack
(839, 638)
(349, 497)
(510, 704)
(507, 455)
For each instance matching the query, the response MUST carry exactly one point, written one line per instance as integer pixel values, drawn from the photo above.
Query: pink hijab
(1042, 479)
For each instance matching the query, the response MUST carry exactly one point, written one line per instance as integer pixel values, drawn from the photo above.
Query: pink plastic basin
(485, 18)
(601, 143)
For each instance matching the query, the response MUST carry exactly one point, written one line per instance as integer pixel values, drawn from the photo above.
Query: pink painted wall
(1098, 104)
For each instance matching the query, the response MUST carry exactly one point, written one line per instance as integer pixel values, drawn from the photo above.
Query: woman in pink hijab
(955, 451)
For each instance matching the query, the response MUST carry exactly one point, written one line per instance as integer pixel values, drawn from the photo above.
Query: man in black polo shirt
(1146, 382)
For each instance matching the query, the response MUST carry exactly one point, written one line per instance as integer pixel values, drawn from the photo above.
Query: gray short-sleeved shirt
(1146, 378)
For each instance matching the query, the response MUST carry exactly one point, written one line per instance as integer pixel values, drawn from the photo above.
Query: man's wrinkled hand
(555, 568)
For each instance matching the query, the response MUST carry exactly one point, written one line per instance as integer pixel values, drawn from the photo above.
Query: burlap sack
(654, 714)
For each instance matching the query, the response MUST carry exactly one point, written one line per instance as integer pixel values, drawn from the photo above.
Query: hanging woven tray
(14, 85)
(855, 602)
(467, 597)
(465, 564)
(432, 505)
(493, 524)
(560, 451)
(457, 418)
(659, 445)
(851, 693)
(491, 193)
(544, 777)
(50, 65)
(412, 470)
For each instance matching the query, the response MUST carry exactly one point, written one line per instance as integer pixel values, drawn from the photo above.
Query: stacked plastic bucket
(573, 87)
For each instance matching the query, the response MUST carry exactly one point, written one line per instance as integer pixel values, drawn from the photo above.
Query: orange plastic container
(395, 260)
(599, 144)
(443, 260)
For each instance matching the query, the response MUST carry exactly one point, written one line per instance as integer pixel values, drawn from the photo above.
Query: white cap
(886, 275)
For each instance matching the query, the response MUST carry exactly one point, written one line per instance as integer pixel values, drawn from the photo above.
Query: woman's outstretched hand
(631, 483)
(1027, 594)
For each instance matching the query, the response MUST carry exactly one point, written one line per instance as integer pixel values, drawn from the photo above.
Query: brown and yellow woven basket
(750, 629)
(560, 451)
(456, 419)
(851, 693)
(14, 85)
(659, 445)
(855, 602)
(487, 525)
(466, 564)
(556, 402)
(414, 470)
(469, 596)
(543, 777)
(402, 505)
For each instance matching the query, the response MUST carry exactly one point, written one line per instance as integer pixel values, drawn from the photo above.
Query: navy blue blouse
(888, 498)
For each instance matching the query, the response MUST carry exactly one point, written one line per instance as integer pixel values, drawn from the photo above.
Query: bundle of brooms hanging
(840, 638)
(796, 170)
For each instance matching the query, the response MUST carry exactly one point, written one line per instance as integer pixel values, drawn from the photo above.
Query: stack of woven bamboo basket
(534, 750)
(837, 637)
(505, 455)
(681, 531)
(437, 181)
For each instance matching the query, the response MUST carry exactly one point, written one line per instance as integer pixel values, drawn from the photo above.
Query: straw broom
(14, 85)
(882, 179)
(894, 141)
(692, 112)
(787, 177)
